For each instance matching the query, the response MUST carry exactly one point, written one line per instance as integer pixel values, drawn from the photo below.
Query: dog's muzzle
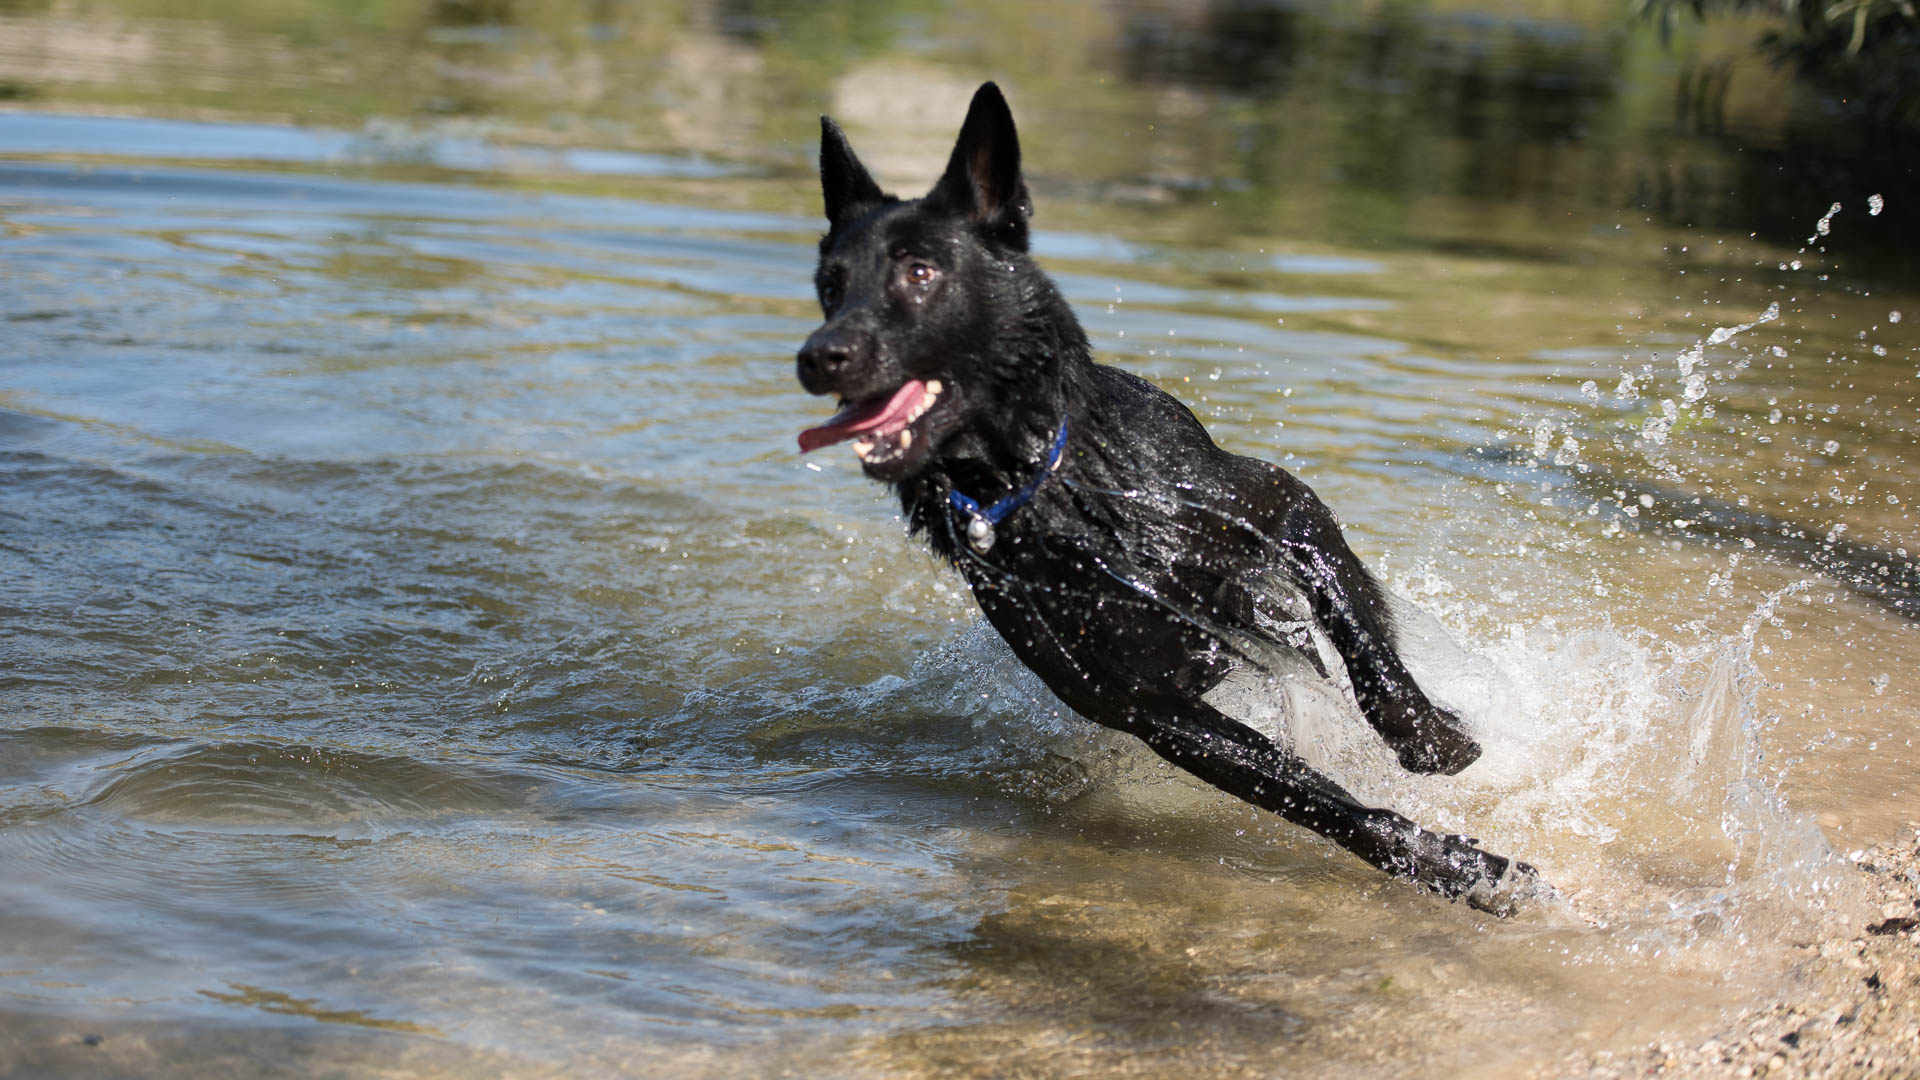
(833, 356)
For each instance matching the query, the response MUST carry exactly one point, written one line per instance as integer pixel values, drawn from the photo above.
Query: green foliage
(1819, 21)
(1863, 53)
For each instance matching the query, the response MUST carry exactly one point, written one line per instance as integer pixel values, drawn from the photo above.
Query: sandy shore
(1853, 1010)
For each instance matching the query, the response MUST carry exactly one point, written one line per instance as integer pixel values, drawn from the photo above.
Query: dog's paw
(1441, 745)
(1426, 755)
(1425, 737)
(1502, 897)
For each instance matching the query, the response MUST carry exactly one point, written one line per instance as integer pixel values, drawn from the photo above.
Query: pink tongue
(885, 417)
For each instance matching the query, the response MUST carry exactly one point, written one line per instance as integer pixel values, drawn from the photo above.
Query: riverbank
(1850, 1009)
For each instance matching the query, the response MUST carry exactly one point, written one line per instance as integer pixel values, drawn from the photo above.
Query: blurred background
(1435, 123)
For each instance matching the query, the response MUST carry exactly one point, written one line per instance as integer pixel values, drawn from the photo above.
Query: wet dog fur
(1144, 563)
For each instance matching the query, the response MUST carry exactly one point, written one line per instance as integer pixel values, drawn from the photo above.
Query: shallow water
(421, 649)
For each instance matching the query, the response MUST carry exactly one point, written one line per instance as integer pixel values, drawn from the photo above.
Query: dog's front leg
(1242, 762)
(1351, 607)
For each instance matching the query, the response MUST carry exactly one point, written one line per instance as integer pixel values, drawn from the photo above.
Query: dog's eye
(921, 273)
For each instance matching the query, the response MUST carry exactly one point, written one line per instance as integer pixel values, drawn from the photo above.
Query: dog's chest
(1077, 612)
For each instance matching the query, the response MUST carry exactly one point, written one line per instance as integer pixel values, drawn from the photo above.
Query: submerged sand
(1851, 1007)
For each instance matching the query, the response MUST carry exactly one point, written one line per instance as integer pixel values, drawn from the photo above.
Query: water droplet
(1825, 225)
(1875, 204)
(1590, 390)
(1655, 429)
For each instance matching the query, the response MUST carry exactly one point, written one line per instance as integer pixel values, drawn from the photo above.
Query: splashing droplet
(1656, 428)
(1824, 225)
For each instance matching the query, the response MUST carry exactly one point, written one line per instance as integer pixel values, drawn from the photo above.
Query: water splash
(1656, 427)
(1628, 768)
(1824, 225)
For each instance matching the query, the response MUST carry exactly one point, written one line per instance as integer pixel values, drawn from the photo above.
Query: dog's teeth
(933, 388)
(906, 438)
(862, 448)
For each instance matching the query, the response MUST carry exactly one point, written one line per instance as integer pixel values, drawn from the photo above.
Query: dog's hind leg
(1242, 762)
(1351, 608)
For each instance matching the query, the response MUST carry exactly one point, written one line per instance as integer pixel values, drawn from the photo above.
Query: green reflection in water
(1454, 125)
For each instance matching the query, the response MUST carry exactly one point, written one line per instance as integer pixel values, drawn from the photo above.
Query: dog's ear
(982, 179)
(843, 180)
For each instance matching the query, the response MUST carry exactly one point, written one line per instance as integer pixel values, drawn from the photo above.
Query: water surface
(421, 649)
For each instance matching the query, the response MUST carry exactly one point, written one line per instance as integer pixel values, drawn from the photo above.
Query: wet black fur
(1151, 561)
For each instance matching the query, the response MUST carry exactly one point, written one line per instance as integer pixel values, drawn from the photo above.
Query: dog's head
(923, 298)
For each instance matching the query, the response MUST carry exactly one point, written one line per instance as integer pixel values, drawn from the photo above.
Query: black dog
(1127, 560)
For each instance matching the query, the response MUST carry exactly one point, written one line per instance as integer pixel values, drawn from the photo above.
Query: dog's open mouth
(881, 427)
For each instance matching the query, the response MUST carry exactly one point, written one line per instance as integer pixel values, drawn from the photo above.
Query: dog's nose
(825, 356)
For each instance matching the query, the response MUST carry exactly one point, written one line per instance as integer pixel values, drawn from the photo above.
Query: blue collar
(980, 522)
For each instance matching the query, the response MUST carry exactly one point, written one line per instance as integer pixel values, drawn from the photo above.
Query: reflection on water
(1441, 122)
(423, 650)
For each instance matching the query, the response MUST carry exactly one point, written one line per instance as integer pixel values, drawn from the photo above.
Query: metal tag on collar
(980, 534)
(980, 521)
